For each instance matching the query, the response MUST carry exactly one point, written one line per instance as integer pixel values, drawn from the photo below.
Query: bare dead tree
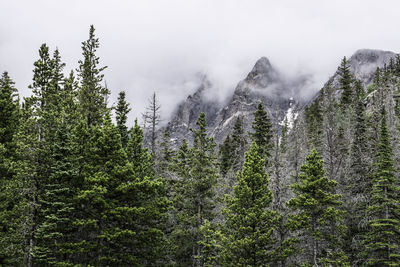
(151, 119)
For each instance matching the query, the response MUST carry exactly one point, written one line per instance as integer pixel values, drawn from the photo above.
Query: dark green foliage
(124, 205)
(318, 219)
(231, 152)
(141, 210)
(165, 159)
(314, 119)
(225, 154)
(92, 95)
(9, 122)
(358, 185)
(9, 108)
(382, 238)
(121, 115)
(194, 199)
(55, 231)
(137, 153)
(238, 143)
(345, 82)
(77, 190)
(250, 223)
(262, 134)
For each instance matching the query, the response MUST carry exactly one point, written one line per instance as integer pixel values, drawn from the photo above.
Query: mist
(162, 46)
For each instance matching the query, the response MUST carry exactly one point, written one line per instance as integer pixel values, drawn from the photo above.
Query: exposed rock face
(263, 84)
(186, 114)
(363, 64)
(279, 95)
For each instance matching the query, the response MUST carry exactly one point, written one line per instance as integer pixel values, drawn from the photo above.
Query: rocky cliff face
(279, 95)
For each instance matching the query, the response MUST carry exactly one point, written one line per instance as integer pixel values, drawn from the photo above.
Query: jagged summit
(262, 66)
(280, 96)
(262, 74)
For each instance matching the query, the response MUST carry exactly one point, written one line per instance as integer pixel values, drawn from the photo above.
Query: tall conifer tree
(92, 94)
(262, 132)
(9, 123)
(318, 218)
(383, 238)
(250, 222)
(121, 115)
(345, 82)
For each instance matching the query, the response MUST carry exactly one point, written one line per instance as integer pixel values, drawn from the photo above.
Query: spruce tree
(250, 223)
(135, 235)
(55, 231)
(9, 123)
(42, 111)
(137, 154)
(345, 83)
(225, 154)
(314, 119)
(381, 244)
(9, 108)
(238, 144)
(165, 159)
(121, 115)
(317, 217)
(358, 183)
(262, 134)
(195, 200)
(92, 95)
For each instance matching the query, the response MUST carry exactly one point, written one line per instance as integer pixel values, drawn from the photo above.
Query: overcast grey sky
(160, 45)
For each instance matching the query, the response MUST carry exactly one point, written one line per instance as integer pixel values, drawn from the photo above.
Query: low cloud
(161, 46)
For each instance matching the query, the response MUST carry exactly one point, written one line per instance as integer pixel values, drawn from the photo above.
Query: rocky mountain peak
(262, 74)
(369, 56)
(262, 66)
(363, 64)
(279, 95)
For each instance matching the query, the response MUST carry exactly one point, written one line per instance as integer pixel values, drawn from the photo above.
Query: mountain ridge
(266, 84)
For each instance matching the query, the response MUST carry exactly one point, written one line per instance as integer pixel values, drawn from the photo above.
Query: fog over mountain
(167, 46)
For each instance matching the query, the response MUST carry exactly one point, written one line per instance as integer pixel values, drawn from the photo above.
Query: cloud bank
(162, 45)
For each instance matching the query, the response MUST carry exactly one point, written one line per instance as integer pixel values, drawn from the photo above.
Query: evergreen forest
(80, 187)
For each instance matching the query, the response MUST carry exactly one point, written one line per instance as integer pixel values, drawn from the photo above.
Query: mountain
(280, 95)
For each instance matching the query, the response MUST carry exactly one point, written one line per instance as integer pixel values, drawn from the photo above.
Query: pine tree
(165, 159)
(37, 138)
(9, 107)
(314, 119)
(318, 218)
(135, 234)
(104, 170)
(54, 232)
(262, 134)
(238, 144)
(195, 200)
(138, 154)
(9, 123)
(24, 190)
(225, 154)
(68, 98)
(345, 82)
(358, 183)
(382, 238)
(121, 111)
(250, 223)
(92, 95)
